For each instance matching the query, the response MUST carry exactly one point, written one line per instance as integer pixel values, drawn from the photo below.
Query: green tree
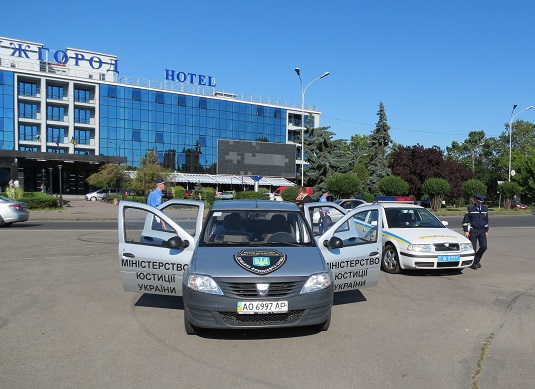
(473, 187)
(393, 186)
(379, 142)
(525, 176)
(147, 173)
(436, 189)
(325, 157)
(343, 185)
(509, 190)
(110, 175)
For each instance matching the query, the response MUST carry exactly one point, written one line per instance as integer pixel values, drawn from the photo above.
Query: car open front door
(156, 247)
(352, 247)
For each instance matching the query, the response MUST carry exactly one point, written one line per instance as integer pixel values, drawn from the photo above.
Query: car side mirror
(334, 243)
(445, 223)
(176, 243)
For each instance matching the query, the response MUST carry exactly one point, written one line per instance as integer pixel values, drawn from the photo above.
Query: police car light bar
(397, 199)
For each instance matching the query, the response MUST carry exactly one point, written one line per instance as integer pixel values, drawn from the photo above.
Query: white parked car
(225, 195)
(413, 238)
(101, 194)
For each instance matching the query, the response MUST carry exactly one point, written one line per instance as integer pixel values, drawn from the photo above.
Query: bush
(179, 192)
(393, 186)
(368, 197)
(38, 200)
(343, 185)
(289, 193)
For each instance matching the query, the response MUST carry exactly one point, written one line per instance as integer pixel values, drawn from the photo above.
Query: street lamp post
(117, 147)
(50, 180)
(303, 91)
(60, 189)
(511, 132)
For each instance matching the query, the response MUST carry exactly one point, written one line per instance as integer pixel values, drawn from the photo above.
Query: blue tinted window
(27, 89)
(202, 103)
(28, 111)
(136, 135)
(182, 100)
(159, 97)
(55, 113)
(278, 113)
(159, 137)
(54, 92)
(55, 135)
(136, 94)
(82, 95)
(27, 132)
(112, 91)
(259, 111)
(82, 116)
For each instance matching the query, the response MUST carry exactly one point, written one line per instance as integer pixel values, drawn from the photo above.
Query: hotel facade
(67, 112)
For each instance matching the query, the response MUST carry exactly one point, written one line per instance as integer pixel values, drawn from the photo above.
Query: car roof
(399, 205)
(246, 205)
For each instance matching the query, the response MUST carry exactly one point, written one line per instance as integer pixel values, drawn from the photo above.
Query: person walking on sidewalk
(476, 228)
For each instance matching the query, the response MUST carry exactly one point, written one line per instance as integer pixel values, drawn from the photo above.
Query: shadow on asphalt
(432, 273)
(175, 302)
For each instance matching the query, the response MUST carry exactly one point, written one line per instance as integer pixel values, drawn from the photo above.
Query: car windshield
(411, 218)
(256, 228)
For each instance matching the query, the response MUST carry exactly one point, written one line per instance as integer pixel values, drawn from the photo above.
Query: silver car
(12, 211)
(253, 264)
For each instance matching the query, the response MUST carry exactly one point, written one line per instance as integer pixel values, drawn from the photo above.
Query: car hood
(221, 261)
(425, 235)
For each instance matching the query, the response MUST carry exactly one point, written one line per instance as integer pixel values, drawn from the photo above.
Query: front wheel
(390, 260)
(325, 325)
(188, 327)
(93, 198)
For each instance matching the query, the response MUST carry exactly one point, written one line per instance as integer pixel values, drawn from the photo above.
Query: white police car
(413, 238)
(254, 264)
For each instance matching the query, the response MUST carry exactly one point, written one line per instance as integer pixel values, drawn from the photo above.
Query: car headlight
(203, 284)
(466, 246)
(316, 282)
(420, 248)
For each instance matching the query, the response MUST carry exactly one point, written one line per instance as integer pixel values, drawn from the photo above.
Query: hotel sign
(75, 57)
(190, 78)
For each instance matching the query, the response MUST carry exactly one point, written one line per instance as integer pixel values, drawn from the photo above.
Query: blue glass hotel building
(72, 108)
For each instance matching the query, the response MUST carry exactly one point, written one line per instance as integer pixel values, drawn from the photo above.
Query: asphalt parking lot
(66, 323)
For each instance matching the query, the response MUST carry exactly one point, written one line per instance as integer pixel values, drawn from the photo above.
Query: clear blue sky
(442, 69)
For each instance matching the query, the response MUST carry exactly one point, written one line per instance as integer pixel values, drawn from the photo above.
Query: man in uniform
(154, 199)
(324, 212)
(476, 227)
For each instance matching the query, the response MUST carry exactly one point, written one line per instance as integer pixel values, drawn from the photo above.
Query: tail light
(17, 207)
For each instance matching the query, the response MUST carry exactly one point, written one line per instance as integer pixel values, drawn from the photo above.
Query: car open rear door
(156, 247)
(352, 247)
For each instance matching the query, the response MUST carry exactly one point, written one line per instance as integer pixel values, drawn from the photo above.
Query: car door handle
(148, 238)
(373, 253)
(129, 255)
(352, 239)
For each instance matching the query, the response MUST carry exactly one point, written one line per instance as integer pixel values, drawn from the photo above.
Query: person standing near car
(324, 212)
(476, 228)
(154, 199)
(302, 198)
